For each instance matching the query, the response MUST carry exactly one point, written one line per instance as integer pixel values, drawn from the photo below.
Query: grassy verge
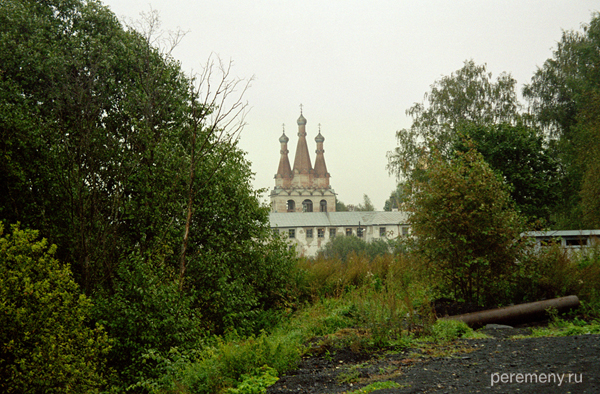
(364, 304)
(359, 303)
(559, 327)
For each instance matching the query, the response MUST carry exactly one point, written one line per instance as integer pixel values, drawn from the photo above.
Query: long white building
(310, 231)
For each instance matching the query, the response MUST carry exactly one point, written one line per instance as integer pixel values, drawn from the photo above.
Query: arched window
(291, 206)
(307, 206)
(323, 206)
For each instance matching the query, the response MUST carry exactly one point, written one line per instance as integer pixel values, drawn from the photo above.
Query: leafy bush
(244, 285)
(465, 226)
(232, 362)
(343, 247)
(147, 315)
(449, 330)
(552, 271)
(45, 342)
(256, 383)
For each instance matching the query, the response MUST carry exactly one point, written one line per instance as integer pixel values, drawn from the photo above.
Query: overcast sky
(355, 66)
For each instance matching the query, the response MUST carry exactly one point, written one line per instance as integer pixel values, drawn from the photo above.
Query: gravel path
(498, 365)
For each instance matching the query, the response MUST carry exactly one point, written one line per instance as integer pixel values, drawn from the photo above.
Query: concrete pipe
(517, 314)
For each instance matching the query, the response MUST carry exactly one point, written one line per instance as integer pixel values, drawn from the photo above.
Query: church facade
(303, 203)
(303, 188)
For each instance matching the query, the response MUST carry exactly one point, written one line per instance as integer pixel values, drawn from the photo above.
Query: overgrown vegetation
(363, 303)
(561, 327)
(547, 150)
(131, 168)
(344, 248)
(465, 226)
(144, 263)
(47, 343)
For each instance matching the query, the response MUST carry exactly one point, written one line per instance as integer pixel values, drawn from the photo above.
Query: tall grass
(387, 294)
(363, 303)
(323, 277)
(553, 271)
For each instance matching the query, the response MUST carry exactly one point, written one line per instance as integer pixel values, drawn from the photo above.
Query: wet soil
(477, 367)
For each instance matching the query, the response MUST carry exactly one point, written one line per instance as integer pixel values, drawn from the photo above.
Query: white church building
(310, 231)
(303, 203)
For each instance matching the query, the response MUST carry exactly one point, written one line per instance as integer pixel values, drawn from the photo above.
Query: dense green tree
(396, 198)
(134, 156)
(340, 206)
(465, 226)
(344, 246)
(46, 343)
(234, 277)
(519, 155)
(563, 100)
(133, 170)
(468, 104)
(91, 112)
(366, 205)
(467, 96)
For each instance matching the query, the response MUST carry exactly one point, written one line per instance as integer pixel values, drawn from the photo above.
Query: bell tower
(303, 188)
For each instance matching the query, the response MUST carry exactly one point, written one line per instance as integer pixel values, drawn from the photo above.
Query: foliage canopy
(132, 169)
(518, 154)
(467, 96)
(469, 104)
(564, 100)
(46, 342)
(465, 225)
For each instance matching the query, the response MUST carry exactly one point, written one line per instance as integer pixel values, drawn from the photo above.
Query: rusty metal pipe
(522, 313)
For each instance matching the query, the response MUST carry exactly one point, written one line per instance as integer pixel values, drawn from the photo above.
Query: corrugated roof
(336, 219)
(563, 233)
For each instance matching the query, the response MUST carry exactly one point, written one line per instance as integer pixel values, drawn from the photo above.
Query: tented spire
(321, 175)
(284, 171)
(302, 163)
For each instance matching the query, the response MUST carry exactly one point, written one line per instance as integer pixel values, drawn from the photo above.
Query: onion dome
(284, 138)
(301, 120)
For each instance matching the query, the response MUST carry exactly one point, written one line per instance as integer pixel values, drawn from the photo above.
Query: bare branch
(149, 26)
(217, 117)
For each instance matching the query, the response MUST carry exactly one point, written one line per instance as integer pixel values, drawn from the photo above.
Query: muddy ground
(477, 367)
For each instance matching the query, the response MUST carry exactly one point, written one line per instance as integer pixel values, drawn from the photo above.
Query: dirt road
(498, 365)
